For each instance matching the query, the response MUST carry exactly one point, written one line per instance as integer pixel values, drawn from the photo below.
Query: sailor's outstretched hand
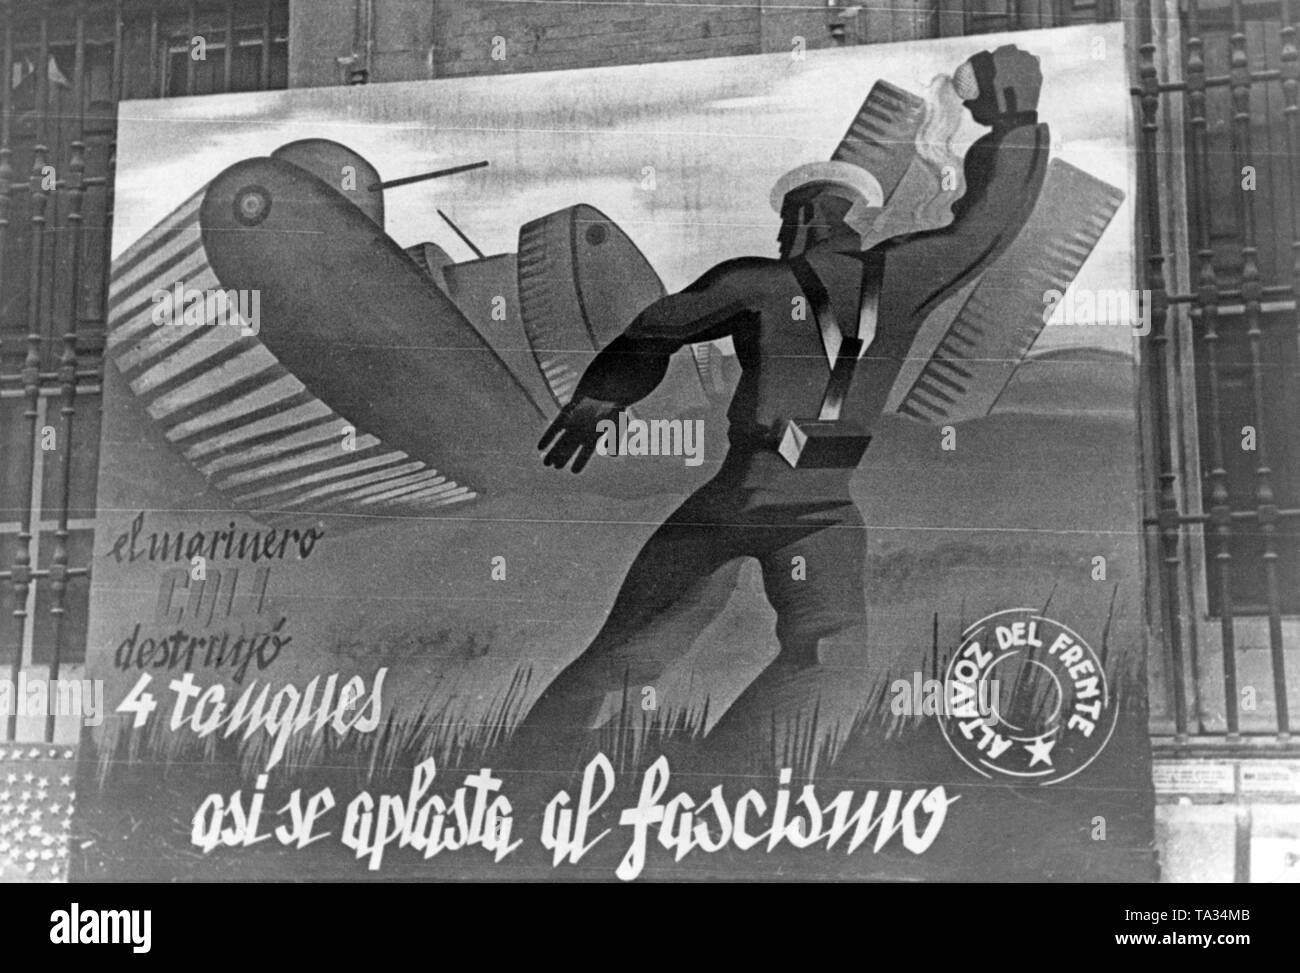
(574, 433)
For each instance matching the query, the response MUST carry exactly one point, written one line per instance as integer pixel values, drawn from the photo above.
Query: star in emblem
(1040, 751)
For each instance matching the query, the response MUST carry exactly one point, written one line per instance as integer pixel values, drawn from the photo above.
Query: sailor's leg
(819, 679)
(825, 597)
(677, 585)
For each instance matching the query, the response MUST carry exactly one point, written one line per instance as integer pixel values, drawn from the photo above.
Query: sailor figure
(765, 502)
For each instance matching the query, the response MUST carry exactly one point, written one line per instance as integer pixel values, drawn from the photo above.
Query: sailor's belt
(805, 444)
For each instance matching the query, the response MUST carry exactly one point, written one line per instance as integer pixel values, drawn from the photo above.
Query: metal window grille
(1217, 95)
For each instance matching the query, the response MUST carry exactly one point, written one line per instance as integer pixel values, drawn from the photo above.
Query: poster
(716, 471)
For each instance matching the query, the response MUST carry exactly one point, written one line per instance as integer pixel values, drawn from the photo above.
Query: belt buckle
(823, 444)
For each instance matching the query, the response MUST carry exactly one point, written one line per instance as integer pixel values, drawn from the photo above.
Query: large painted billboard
(724, 469)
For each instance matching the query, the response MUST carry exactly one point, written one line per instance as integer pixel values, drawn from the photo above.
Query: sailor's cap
(845, 174)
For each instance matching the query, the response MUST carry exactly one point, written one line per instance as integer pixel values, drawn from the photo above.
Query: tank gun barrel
(461, 233)
(407, 180)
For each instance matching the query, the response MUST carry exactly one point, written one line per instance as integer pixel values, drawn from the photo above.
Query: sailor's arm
(1004, 176)
(633, 364)
(1004, 173)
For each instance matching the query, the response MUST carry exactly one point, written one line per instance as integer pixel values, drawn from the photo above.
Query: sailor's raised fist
(999, 85)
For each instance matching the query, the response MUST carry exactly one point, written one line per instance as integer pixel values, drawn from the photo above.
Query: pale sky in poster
(717, 133)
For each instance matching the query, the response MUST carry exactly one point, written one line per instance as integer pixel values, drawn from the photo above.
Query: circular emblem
(1027, 699)
(252, 205)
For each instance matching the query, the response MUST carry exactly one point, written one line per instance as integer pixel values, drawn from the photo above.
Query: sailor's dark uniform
(758, 505)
